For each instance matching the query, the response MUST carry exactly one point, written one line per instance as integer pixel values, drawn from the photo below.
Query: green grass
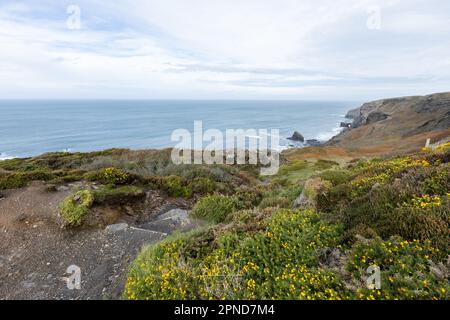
(118, 195)
(214, 208)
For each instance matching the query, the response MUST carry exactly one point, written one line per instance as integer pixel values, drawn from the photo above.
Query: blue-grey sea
(29, 128)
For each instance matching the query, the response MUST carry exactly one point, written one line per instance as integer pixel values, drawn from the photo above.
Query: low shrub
(109, 176)
(251, 219)
(214, 208)
(247, 197)
(202, 186)
(336, 177)
(162, 272)
(279, 262)
(293, 166)
(22, 178)
(430, 223)
(334, 199)
(275, 202)
(113, 176)
(75, 207)
(405, 269)
(13, 181)
(119, 195)
(175, 187)
(322, 164)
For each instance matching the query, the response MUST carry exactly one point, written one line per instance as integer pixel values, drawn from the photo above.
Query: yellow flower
(251, 284)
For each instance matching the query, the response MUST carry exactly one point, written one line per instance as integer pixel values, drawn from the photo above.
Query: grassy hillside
(392, 213)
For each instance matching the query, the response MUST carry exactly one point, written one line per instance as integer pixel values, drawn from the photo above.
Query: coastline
(33, 129)
(321, 139)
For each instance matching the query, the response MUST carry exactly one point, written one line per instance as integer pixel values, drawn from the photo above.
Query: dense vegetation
(311, 232)
(391, 214)
(120, 177)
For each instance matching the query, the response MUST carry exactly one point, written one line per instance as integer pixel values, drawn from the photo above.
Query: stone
(116, 227)
(297, 136)
(175, 214)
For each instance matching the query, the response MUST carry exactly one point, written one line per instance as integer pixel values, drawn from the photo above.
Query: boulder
(346, 124)
(297, 136)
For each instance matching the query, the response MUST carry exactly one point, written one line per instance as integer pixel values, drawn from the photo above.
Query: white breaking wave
(4, 156)
(325, 136)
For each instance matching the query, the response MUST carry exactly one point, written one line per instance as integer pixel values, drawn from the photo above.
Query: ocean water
(29, 128)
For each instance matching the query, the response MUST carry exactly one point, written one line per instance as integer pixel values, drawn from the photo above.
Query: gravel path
(35, 251)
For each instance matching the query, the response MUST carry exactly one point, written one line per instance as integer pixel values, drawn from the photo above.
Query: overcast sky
(224, 49)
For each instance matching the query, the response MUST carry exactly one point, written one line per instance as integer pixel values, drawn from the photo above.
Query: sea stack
(297, 136)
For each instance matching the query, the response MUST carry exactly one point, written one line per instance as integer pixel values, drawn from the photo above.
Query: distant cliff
(403, 123)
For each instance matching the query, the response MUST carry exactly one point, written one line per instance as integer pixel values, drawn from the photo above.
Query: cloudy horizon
(320, 50)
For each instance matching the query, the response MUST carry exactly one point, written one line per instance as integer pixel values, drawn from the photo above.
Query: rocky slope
(403, 124)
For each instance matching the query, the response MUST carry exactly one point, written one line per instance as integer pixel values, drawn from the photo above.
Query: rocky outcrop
(297, 136)
(368, 113)
(385, 123)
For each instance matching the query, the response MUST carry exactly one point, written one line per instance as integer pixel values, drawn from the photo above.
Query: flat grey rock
(174, 214)
(116, 227)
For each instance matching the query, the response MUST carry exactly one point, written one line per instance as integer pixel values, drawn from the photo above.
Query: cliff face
(401, 122)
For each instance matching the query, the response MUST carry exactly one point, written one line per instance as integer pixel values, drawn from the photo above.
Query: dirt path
(35, 251)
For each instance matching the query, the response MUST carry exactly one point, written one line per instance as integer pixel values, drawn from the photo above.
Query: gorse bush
(75, 207)
(285, 259)
(162, 272)
(279, 262)
(214, 208)
(406, 269)
(13, 181)
(175, 187)
(113, 176)
(247, 197)
(406, 196)
(423, 223)
(22, 178)
(202, 186)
